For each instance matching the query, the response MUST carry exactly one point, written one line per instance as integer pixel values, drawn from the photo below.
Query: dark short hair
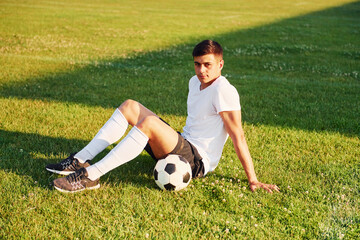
(207, 47)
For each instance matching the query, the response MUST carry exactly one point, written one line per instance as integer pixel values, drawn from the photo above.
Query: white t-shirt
(204, 126)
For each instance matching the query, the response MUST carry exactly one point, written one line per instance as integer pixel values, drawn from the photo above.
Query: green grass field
(65, 66)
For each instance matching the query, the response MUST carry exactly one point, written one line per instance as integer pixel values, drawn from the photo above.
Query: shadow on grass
(299, 73)
(16, 158)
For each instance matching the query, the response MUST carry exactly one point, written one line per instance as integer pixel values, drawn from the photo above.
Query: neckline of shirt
(199, 84)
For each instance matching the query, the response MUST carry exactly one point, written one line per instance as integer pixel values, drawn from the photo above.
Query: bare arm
(232, 121)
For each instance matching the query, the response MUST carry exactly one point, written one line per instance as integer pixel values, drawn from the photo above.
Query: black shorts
(189, 152)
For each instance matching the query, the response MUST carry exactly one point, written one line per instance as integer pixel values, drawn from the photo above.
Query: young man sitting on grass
(213, 108)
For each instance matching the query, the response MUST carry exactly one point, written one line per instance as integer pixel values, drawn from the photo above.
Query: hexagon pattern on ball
(172, 173)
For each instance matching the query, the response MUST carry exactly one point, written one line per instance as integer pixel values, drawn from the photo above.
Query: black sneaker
(67, 166)
(76, 182)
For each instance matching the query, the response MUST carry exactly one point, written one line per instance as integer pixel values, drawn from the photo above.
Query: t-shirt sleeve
(227, 99)
(192, 82)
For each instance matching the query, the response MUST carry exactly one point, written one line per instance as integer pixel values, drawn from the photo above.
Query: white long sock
(129, 148)
(111, 132)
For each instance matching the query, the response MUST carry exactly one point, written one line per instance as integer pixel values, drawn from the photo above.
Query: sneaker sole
(65, 173)
(66, 191)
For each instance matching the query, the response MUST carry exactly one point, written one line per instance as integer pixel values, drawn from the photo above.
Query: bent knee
(128, 104)
(130, 110)
(149, 122)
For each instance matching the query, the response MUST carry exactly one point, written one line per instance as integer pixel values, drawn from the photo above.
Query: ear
(221, 64)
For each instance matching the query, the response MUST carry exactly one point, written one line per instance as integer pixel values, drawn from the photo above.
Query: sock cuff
(80, 157)
(119, 117)
(138, 136)
(94, 172)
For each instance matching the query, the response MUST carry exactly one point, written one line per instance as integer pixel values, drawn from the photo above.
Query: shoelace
(76, 176)
(66, 162)
(74, 164)
(70, 161)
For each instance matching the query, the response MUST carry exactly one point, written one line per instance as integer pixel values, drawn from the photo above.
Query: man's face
(208, 68)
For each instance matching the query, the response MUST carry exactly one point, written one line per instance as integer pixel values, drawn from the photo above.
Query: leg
(129, 112)
(110, 132)
(162, 138)
(134, 111)
(147, 128)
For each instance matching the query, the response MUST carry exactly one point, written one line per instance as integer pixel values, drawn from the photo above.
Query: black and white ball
(172, 173)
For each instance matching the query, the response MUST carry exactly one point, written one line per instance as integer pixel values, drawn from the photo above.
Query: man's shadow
(18, 151)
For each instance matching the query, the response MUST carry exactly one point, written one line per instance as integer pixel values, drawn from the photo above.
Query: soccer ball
(172, 173)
